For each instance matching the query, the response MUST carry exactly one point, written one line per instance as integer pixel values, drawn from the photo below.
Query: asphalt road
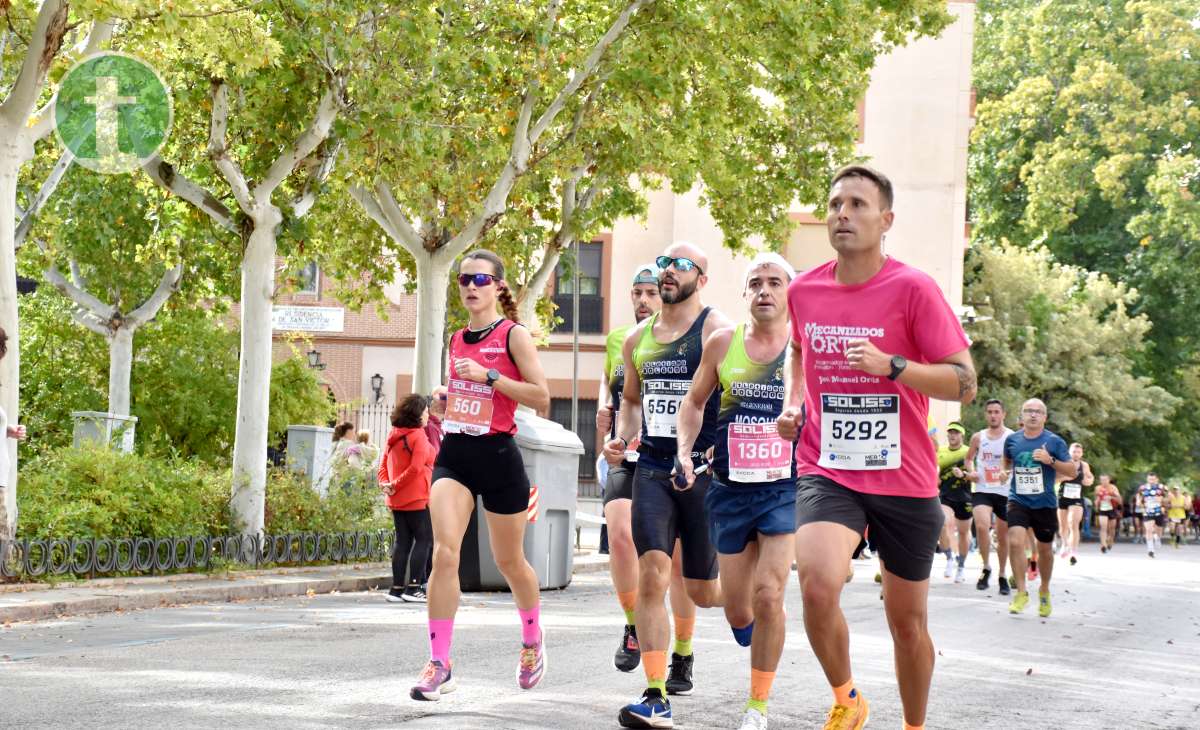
(1122, 650)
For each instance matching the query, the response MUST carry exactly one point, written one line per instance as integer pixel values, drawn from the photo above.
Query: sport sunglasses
(681, 264)
(479, 280)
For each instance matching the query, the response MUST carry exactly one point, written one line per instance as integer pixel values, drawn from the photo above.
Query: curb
(174, 595)
(113, 595)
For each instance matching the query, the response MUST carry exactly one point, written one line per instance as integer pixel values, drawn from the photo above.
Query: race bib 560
(468, 408)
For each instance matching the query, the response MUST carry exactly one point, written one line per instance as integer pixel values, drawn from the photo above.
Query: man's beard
(681, 294)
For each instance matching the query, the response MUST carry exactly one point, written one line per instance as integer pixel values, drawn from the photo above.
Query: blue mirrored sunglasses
(479, 280)
(679, 262)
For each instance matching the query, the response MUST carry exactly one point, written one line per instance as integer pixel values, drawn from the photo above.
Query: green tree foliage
(297, 396)
(1088, 118)
(98, 492)
(1065, 335)
(184, 384)
(476, 133)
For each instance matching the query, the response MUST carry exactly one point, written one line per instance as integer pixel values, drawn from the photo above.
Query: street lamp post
(575, 345)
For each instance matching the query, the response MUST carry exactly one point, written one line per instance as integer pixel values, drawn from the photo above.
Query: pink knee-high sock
(531, 627)
(441, 631)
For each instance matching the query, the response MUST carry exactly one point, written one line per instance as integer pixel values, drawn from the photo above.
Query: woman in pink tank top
(493, 368)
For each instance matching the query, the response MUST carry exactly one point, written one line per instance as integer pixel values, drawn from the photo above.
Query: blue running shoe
(653, 710)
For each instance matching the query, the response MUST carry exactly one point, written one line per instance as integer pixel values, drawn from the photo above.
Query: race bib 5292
(860, 432)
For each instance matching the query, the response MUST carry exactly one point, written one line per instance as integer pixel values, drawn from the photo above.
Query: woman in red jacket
(405, 473)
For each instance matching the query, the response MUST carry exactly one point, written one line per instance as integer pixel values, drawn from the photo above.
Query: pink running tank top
(477, 409)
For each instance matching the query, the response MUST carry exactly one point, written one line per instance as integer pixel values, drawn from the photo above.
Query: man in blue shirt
(1032, 456)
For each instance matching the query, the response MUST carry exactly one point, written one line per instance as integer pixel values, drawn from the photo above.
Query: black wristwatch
(898, 365)
(492, 376)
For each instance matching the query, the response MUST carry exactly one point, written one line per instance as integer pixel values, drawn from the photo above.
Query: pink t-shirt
(864, 432)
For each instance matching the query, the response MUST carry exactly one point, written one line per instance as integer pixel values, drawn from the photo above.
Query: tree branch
(48, 187)
(167, 285)
(494, 204)
(101, 33)
(43, 46)
(589, 67)
(383, 209)
(576, 123)
(76, 274)
(80, 297)
(164, 174)
(326, 159)
(285, 164)
(218, 151)
(91, 322)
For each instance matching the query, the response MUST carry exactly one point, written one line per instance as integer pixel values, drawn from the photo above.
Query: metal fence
(90, 557)
(373, 417)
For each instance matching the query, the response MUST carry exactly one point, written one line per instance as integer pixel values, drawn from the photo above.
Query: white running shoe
(949, 567)
(960, 574)
(753, 720)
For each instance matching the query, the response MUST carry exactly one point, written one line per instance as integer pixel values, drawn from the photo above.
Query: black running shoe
(629, 653)
(1073, 560)
(1003, 583)
(414, 594)
(679, 679)
(982, 583)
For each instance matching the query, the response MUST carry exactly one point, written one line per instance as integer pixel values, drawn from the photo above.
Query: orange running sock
(628, 602)
(684, 628)
(846, 695)
(760, 689)
(654, 663)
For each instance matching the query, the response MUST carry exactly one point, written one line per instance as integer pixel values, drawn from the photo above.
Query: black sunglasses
(478, 280)
(681, 264)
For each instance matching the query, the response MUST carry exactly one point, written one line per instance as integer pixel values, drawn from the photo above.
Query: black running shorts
(619, 484)
(962, 510)
(662, 513)
(1044, 520)
(490, 466)
(903, 530)
(998, 503)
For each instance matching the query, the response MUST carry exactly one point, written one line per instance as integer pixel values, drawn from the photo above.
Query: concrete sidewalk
(39, 601)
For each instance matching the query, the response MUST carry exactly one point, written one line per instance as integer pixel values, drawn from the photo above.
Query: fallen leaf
(310, 593)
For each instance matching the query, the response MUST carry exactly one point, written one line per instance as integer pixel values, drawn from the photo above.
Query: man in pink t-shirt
(872, 341)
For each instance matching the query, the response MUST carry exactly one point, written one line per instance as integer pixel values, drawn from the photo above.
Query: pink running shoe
(436, 680)
(533, 663)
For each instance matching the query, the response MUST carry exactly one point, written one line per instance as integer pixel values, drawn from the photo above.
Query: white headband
(769, 258)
